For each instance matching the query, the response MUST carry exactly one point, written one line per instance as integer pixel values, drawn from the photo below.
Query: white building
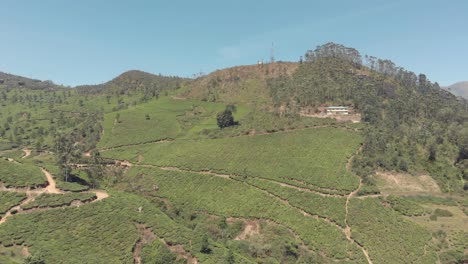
(337, 110)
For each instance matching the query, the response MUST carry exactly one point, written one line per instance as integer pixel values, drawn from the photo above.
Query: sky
(92, 41)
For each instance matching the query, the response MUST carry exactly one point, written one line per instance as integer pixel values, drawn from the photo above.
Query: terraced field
(233, 198)
(157, 120)
(316, 157)
(289, 178)
(14, 174)
(179, 189)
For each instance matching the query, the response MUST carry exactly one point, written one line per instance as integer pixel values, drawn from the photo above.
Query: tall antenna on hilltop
(272, 54)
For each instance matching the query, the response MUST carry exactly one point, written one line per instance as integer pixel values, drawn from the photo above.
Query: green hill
(137, 170)
(241, 84)
(13, 81)
(134, 81)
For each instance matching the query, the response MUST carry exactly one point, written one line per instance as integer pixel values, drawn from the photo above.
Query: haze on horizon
(86, 42)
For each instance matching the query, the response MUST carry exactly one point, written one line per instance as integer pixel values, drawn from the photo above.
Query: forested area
(413, 125)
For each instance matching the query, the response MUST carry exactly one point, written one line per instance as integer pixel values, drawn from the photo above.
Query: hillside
(134, 81)
(138, 169)
(459, 89)
(14, 81)
(241, 84)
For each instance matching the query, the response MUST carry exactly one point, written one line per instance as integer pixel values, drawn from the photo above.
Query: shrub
(442, 213)
(205, 245)
(225, 119)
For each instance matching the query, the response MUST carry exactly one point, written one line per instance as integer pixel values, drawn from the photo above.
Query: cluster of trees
(225, 118)
(413, 125)
(333, 50)
(21, 123)
(70, 146)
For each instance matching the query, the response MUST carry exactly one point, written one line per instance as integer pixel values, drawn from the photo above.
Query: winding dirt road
(27, 153)
(51, 187)
(31, 194)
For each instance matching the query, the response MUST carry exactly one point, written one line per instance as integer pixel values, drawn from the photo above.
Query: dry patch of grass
(251, 228)
(13, 254)
(405, 184)
(457, 222)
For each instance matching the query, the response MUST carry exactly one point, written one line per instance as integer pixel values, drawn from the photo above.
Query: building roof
(337, 107)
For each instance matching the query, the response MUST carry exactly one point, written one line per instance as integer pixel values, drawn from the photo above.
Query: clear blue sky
(91, 41)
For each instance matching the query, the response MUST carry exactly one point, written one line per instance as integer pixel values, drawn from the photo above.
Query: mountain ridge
(459, 89)
(13, 81)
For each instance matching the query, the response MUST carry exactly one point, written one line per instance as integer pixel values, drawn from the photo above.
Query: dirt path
(370, 196)
(27, 153)
(51, 188)
(10, 160)
(225, 176)
(159, 141)
(251, 133)
(348, 198)
(301, 188)
(347, 229)
(15, 208)
(100, 194)
(318, 188)
(146, 237)
(302, 211)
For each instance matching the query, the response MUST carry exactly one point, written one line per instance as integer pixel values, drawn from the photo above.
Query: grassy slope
(106, 230)
(238, 84)
(9, 200)
(316, 156)
(388, 237)
(332, 208)
(102, 232)
(235, 199)
(56, 200)
(20, 175)
(168, 119)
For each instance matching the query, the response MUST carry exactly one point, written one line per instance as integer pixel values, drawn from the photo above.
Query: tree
(35, 259)
(231, 107)
(205, 245)
(223, 223)
(225, 119)
(66, 151)
(432, 152)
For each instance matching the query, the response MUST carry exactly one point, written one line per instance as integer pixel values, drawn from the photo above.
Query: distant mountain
(13, 81)
(459, 89)
(132, 81)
